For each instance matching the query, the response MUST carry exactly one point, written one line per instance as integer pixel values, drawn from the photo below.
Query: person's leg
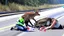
(13, 28)
(22, 28)
(60, 27)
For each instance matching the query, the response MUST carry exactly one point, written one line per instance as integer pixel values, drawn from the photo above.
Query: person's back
(21, 21)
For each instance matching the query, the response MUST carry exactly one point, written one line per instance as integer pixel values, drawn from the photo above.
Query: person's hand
(46, 28)
(41, 28)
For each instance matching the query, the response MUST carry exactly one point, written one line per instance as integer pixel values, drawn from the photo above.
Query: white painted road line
(42, 13)
(63, 35)
(9, 17)
(22, 34)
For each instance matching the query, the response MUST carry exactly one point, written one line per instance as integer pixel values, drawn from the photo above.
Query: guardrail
(8, 13)
(5, 12)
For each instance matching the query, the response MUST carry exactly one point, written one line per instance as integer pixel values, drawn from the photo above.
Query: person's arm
(52, 24)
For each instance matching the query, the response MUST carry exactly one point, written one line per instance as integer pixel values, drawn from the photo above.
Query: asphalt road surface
(8, 32)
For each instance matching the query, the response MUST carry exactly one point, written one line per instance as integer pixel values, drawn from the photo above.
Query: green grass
(18, 7)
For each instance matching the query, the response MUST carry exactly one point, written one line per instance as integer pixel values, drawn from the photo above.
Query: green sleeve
(21, 21)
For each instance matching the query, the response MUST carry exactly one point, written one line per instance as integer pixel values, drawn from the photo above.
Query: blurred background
(18, 5)
(11, 10)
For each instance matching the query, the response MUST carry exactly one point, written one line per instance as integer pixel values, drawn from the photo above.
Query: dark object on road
(41, 22)
(48, 22)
